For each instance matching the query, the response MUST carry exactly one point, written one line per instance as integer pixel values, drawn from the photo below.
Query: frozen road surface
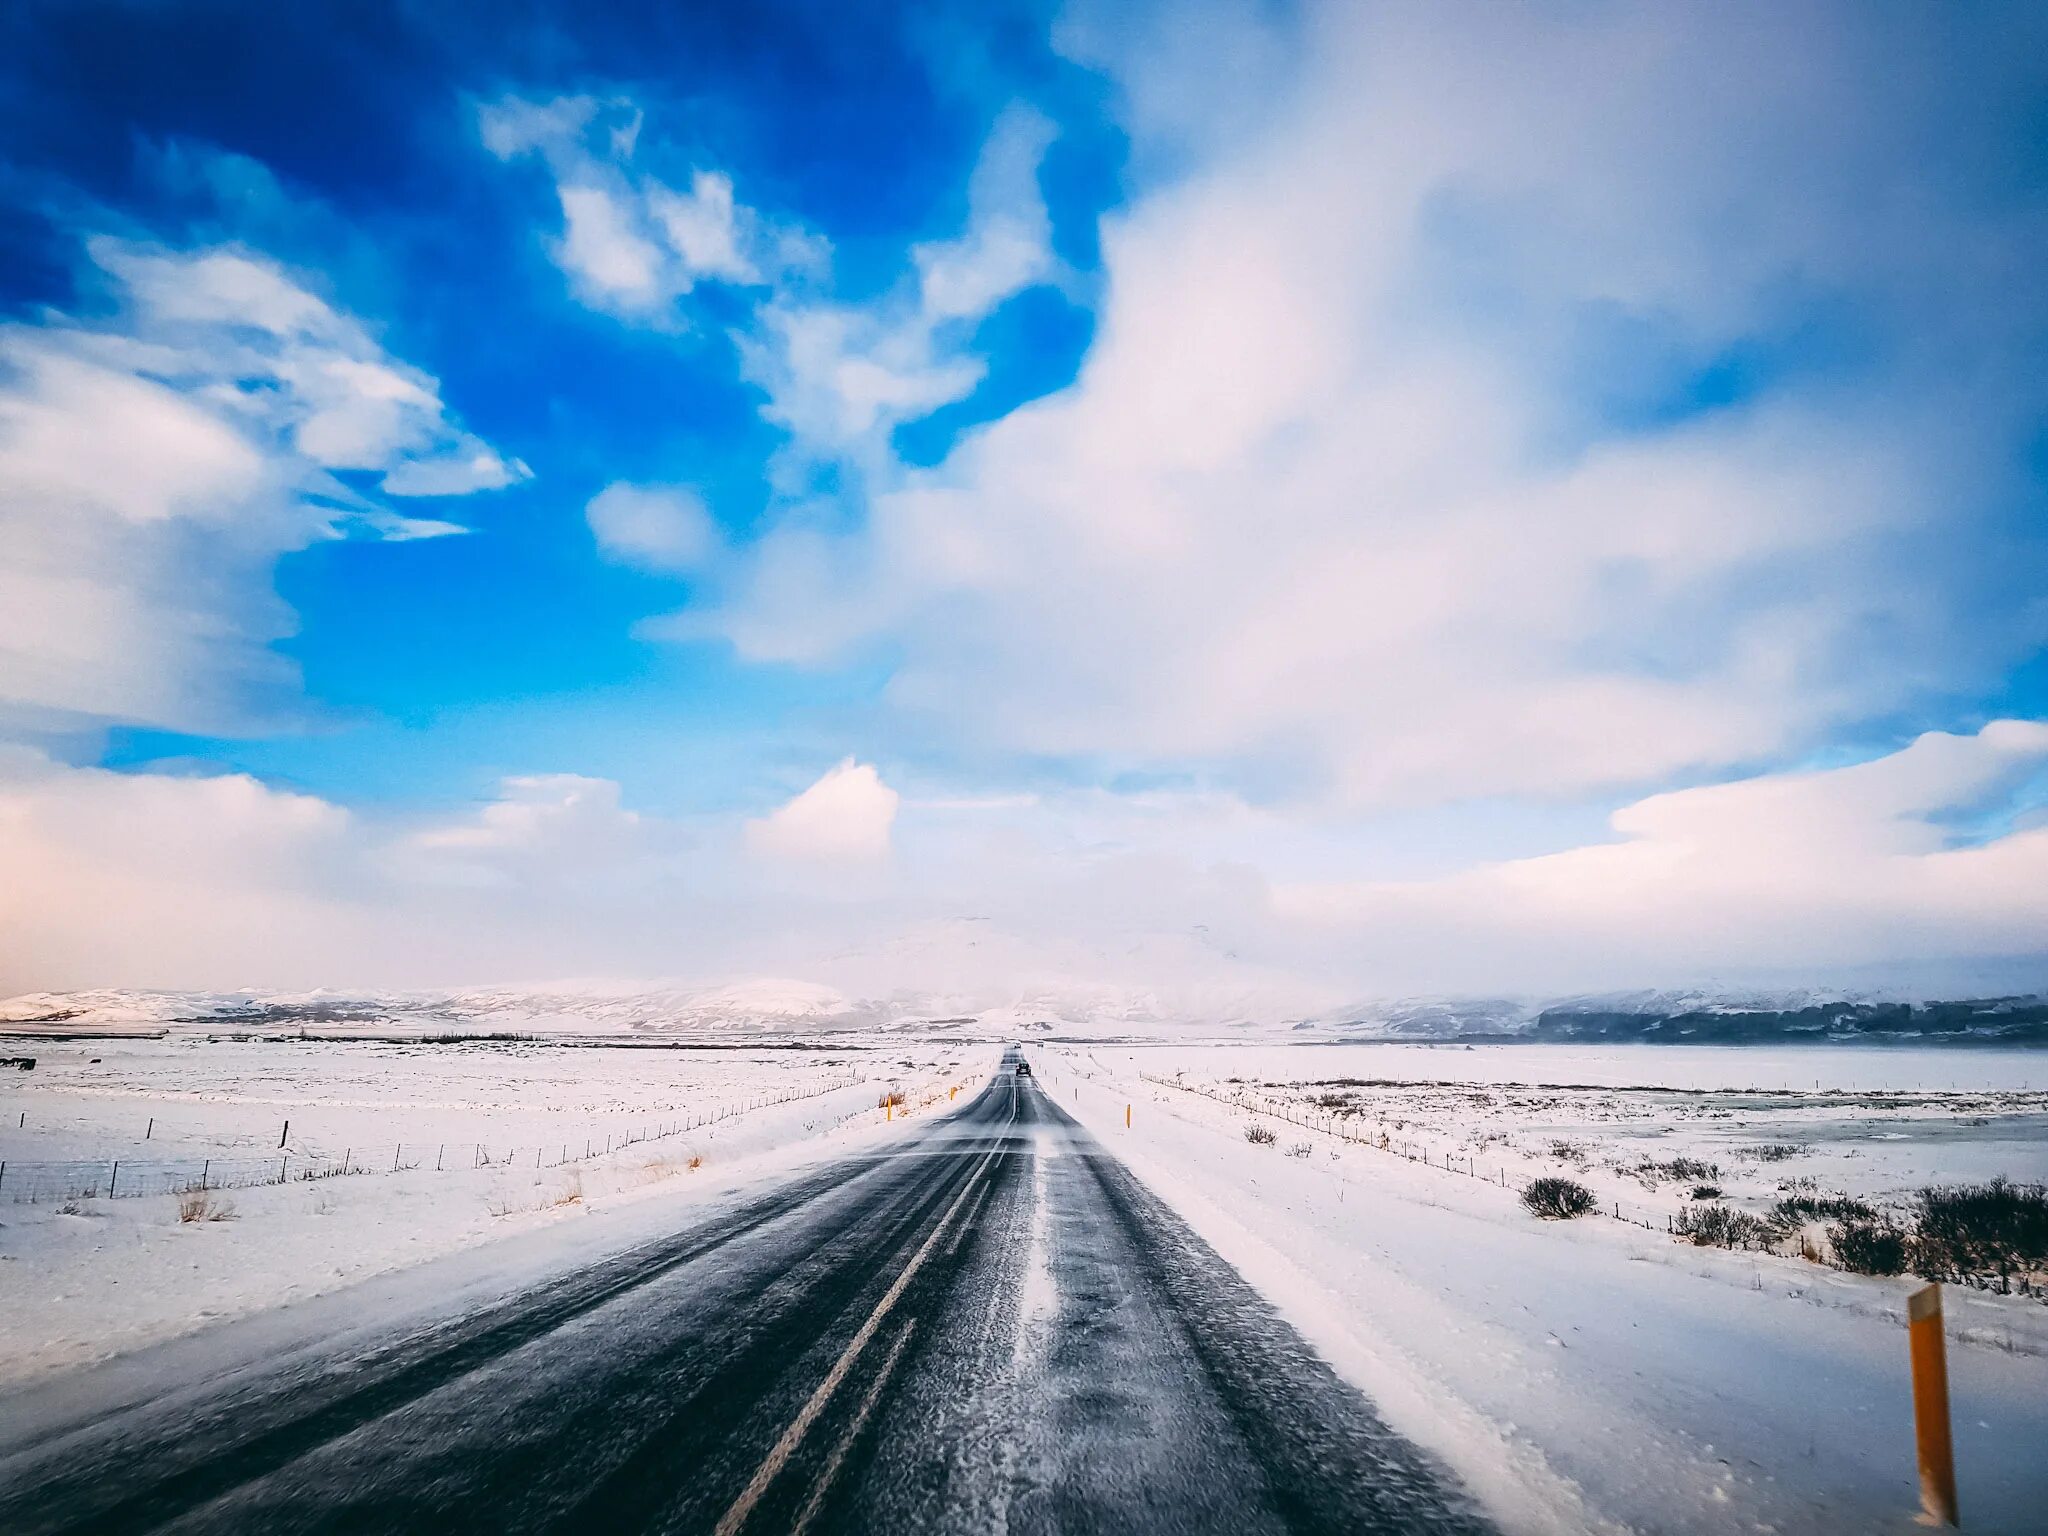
(991, 1327)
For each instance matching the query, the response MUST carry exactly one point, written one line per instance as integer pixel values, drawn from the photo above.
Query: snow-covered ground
(86, 1278)
(1597, 1375)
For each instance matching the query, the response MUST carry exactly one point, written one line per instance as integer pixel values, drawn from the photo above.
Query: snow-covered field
(1646, 1126)
(1598, 1375)
(487, 1139)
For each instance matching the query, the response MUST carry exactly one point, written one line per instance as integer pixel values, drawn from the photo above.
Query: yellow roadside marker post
(1127, 1117)
(1930, 1406)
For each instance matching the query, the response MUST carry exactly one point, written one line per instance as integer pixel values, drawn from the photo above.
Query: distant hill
(799, 1011)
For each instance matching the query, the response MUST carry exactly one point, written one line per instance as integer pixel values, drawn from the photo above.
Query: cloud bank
(1927, 854)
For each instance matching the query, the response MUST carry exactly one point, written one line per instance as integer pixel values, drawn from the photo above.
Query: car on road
(1023, 1069)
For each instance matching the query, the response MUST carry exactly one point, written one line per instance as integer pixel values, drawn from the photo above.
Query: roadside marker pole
(1930, 1405)
(1127, 1117)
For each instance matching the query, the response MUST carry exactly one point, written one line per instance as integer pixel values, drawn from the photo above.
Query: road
(991, 1327)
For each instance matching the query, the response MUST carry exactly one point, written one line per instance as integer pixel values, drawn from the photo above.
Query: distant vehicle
(1023, 1069)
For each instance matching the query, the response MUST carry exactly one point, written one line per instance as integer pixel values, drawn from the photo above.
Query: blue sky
(1280, 501)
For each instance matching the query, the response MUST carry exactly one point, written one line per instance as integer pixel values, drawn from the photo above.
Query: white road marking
(778, 1457)
(860, 1419)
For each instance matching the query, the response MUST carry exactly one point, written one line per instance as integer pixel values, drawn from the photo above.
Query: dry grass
(199, 1205)
(1259, 1136)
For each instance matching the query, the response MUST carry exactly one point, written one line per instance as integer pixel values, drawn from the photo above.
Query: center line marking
(860, 1419)
(792, 1437)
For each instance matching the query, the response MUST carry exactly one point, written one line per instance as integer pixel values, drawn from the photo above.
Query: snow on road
(1588, 1375)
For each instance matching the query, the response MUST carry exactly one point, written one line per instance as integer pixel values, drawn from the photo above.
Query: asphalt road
(991, 1328)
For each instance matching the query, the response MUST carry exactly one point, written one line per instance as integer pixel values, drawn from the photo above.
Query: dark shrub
(1679, 1168)
(1769, 1152)
(1557, 1199)
(1797, 1210)
(1721, 1226)
(1868, 1247)
(1258, 1135)
(1980, 1231)
(1706, 1191)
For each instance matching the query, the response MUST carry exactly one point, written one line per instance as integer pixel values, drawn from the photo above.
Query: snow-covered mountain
(792, 1009)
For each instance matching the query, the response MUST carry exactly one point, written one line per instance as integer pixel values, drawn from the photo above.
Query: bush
(1679, 1168)
(1980, 1231)
(1300, 1149)
(1769, 1152)
(1797, 1210)
(1568, 1151)
(1722, 1226)
(1557, 1199)
(1868, 1246)
(1706, 1191)
(1258, 1135)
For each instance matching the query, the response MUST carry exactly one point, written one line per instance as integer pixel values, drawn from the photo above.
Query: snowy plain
(88, 1277)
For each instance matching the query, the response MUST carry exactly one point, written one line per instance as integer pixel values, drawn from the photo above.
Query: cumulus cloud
(156, 463)
(631, 244)
(840, 377)
(846, 815)
(658, 528)
(1351, 490)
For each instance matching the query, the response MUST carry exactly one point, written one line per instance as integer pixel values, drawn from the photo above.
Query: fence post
(1929, 1353)
(281, 1135)
(113, 1178)
(281, 1162)
(346, 1154)
(204, 1169)
(395, 1154)
(443, 1152)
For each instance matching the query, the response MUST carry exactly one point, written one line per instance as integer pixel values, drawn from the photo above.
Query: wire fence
(32, 1181)
(1344, 1129)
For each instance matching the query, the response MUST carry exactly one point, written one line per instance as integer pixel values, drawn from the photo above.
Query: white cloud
(1334, 498)
(155, 465)
(605, 254)
(846, 815)
(840, 377)
(704, 227)
(1794, 874)
(658, 528)
(631, 244)
(1189, 897)
(542, 826)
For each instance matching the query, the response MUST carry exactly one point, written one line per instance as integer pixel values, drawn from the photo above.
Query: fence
(1413, 1151)
(29, 1181)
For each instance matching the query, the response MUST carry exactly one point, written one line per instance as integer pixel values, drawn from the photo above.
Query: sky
(1243, 504)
